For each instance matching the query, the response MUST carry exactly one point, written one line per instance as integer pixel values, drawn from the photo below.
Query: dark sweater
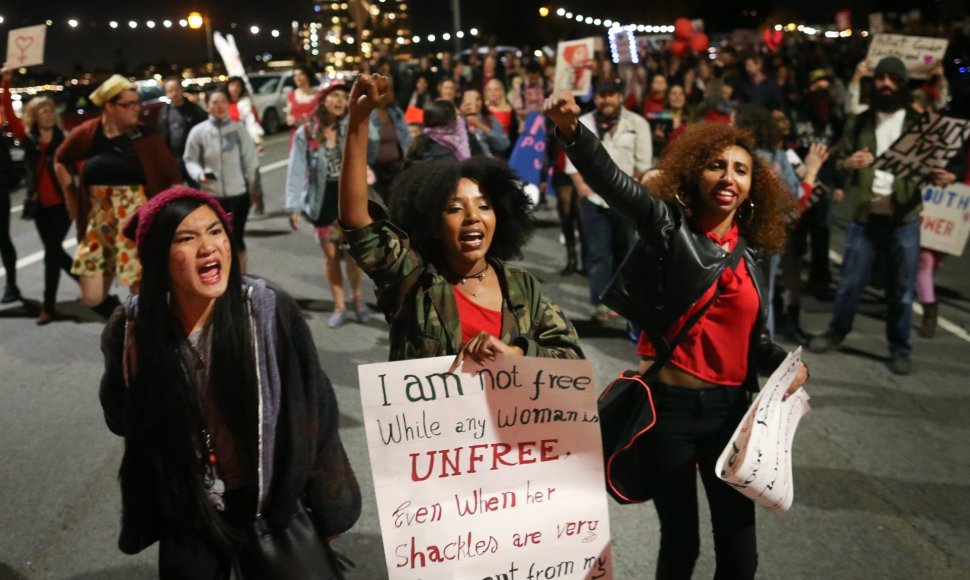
(309, 457)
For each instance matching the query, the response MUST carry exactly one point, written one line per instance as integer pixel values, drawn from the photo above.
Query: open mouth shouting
(471, 240)
(210, 272)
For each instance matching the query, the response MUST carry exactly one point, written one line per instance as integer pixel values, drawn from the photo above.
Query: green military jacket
(860, 133)
(420, 306)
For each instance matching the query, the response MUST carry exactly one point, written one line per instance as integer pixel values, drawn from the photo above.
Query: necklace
(477, 275)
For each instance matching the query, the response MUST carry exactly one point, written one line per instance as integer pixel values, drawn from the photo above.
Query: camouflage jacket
(420, 307)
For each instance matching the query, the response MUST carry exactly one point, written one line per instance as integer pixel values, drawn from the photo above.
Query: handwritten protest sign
(945, 220)
(574, 59)
(487, 472)
(25, 46)
(529, 154)
(929, 144)
(757, 460)
(920, 54)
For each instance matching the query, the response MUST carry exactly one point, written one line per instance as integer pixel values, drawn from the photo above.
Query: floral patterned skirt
(105, 249)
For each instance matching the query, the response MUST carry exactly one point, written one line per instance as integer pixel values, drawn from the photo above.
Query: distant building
(340, 34)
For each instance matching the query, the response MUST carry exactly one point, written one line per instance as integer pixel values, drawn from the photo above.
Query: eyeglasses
(128, 105)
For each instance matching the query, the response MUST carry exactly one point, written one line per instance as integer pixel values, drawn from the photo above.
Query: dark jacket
(671, 266)
(308, 458)
(32, 158)
(191, 114)
(421, 308)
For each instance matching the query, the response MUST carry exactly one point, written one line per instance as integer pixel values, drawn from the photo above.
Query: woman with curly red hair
(705, 218)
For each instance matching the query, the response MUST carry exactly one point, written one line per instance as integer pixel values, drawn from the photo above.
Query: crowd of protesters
(728, 161)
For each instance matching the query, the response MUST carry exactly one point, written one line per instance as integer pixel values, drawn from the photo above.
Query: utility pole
(456, 24)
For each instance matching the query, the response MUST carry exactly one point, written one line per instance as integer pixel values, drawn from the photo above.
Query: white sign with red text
(489, 471)
(945, 219)
(25, 46)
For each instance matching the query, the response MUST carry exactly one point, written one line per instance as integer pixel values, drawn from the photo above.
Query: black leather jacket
(32, 158)
(671, 266)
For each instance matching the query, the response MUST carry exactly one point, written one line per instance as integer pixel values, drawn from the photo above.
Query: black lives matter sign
(929, 144)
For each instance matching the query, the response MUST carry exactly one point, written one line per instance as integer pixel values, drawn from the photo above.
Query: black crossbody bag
(627, 414)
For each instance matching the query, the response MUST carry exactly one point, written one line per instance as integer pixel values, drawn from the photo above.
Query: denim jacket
(306, 178)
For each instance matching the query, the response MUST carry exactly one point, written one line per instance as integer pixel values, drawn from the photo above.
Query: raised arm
(364, 96)
(626, 196)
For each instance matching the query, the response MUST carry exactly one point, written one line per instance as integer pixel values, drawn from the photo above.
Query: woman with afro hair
(438, 263)
(704, 219)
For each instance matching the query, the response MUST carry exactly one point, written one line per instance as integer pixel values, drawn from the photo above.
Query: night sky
(506, 21)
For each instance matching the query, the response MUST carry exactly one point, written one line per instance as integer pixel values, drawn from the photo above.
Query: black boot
(930, 313)
(107, 306)
(792, 328)
(10, 294)
(571, 260)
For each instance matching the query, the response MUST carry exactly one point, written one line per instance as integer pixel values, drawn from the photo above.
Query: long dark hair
(164, 450)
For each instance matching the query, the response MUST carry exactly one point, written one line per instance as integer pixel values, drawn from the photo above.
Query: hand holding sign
(25, 46)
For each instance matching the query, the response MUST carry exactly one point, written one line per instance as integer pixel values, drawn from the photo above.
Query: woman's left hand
(801, 377)
(484, 347)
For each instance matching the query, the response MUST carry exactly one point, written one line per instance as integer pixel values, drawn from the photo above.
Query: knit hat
(893, 66)
(141, 221)
(109, 89)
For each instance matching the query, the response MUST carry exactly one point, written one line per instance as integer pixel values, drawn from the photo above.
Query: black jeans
(693, 426)
(8, 253)
(52, 226)
(237, 206)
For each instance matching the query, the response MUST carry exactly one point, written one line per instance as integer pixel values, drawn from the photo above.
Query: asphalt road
(881, 464)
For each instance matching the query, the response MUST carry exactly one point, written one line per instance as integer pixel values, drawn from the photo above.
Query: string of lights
(167, 23)
(608, 23)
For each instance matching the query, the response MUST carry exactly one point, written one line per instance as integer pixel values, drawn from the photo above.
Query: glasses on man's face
(128, 104)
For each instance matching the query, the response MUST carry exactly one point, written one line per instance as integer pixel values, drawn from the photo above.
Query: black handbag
(627, 415)
(296, 552)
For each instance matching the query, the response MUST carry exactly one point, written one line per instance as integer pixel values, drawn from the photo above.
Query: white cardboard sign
(487, 472)
(25, 46)
(945, 220)
(920, 54)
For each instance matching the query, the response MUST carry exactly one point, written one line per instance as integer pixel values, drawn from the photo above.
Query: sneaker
(600, 314)
(824, 342)
(337, 319)
(361, 310)
(10, 294)
(899, 364)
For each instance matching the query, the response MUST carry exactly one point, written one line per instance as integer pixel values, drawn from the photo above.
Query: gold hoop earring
(680, 201)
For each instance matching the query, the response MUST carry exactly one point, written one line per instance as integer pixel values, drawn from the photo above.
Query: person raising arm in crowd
(703, 220)
(438, 262)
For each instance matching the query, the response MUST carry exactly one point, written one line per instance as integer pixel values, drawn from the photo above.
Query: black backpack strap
(664, 354)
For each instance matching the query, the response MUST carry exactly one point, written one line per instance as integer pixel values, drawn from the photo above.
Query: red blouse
(475, 319)
(716, 349)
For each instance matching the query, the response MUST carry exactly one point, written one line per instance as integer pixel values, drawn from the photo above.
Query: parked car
(269, 91)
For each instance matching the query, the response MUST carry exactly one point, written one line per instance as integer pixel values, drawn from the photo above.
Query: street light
(544, 11)
(197, 21)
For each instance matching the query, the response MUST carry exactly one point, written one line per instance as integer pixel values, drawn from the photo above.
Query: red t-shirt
(475, 319)
(715, 350)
